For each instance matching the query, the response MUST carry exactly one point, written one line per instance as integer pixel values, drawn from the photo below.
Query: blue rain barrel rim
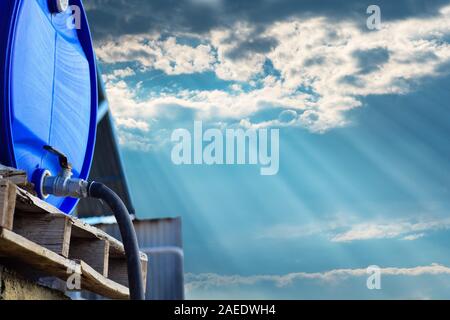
(9, 16)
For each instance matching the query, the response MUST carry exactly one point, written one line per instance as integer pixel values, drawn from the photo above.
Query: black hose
(129, 239)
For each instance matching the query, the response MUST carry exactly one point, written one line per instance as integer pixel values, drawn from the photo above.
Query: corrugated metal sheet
(162, 241)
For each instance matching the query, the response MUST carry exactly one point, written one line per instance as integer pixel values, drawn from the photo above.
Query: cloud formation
(119, 17)
(208, 280)
(320, 69)
(407, 230)
(166, 55)
(349, 230)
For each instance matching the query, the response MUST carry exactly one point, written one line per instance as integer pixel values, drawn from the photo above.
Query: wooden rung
(93, 252)
(50, 231)
(7, 204)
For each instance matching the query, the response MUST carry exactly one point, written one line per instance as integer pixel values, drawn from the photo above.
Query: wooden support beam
(27, 202)
(50, 231)
(95, 282)
(26, 251)
(17, 177)
(94, 252)
(7, 203)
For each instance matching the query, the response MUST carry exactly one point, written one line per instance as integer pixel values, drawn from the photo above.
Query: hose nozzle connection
(62, 185)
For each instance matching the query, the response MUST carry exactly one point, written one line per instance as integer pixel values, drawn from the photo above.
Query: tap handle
(63, 161)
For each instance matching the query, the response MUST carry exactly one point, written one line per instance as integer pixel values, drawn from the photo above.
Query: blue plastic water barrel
(48, 89)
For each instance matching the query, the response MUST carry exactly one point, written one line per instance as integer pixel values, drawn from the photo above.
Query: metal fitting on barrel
(61, 185)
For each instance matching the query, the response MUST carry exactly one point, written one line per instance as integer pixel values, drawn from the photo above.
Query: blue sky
(363, 115)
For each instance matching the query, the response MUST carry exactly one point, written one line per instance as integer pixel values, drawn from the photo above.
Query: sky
(364, 150)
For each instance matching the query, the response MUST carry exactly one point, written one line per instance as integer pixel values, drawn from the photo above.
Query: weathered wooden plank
(81, 229)
(15, 246)
(95, 282)
(94, 252)
(26, 202)
(51, 231)
(7, 204)
(18, 177)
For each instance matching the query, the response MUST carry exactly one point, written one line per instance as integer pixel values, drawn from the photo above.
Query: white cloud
(227, 40)
(209, 104)
(407, 230)
(119, 74)
(207, 280)
(132, 124)
(152, 52)
(413, 236)
(134, 141)
(321, 56)
(340, 230)
(321, 75)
